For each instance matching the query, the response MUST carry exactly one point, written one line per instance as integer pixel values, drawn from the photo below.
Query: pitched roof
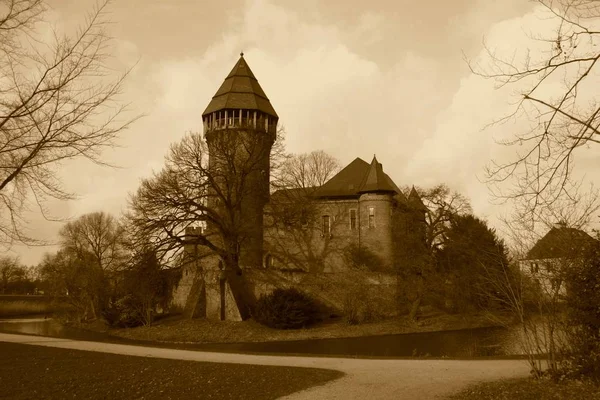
(415, 200)
(358, 177)
(560, 242)
(293, 194)
(240, 90)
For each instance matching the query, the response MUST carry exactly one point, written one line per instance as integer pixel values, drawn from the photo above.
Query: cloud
(464, 142)
(353, 87)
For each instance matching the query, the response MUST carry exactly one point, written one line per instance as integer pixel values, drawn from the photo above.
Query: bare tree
(99, 236)
(442, 205)
(294, 226)
(191, 190)
(295, 231)
(541, 172)
(278, 158)
(214, 192)
(57, 102)
(533, 286)
(70, 279)
(306, 171)
(10, 268)
(92, 252)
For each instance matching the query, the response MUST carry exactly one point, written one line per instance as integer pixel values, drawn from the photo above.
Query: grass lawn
(177, 329)
(35, 372)
(529, 389)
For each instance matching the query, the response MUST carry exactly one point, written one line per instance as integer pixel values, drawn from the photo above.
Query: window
(326, 226)
(352, 219)
(304, 218)
(371, 217)
(535, 268)
(269, 261)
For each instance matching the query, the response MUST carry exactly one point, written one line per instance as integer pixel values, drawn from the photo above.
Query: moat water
(465, 343)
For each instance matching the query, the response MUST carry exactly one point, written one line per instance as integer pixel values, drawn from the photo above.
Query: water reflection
(467, 343)
(482, 342)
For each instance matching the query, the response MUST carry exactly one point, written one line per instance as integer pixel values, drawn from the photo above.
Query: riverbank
(12, 306)
(28, 372)
(179, 330)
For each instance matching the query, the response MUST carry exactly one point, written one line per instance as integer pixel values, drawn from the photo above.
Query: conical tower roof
(240, 90)
(375, 180)
(415, 200)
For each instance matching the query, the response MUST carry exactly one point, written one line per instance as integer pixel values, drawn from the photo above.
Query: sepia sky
(352, 78)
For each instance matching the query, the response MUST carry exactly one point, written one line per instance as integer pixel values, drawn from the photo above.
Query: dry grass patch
(529, 389)
(202, 331)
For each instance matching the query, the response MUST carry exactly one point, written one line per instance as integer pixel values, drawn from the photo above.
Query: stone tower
(240, 127)
(376, 207)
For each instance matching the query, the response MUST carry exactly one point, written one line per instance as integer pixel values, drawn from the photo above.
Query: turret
(240, 125)
(376, 207)
(240, 103)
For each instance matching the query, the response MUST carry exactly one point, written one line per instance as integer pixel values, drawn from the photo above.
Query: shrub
(286, 309)
(583, 311)
(125, 312)
(357, 310)
(362, 258)
(359, 306)
(145, 288)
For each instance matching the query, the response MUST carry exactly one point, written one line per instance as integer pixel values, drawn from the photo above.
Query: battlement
(240, 119)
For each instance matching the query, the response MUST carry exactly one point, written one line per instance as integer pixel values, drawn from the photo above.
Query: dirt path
(365, 379)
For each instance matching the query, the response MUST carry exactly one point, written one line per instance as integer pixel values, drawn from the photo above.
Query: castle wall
(311, 246)
(350, 224)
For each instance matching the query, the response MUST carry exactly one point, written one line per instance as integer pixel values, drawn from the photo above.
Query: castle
(317, 239)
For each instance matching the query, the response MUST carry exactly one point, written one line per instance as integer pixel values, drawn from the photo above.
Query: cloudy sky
(353, 78)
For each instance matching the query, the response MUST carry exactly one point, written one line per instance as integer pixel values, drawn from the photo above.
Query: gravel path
(365, 378)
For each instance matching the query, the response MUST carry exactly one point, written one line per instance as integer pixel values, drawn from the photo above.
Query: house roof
(375, 180)
(560, 242)
(240, 90)
(356, 178)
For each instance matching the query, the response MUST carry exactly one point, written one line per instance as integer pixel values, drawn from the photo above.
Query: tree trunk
(93, 309)
(414, 308)
(238, 284)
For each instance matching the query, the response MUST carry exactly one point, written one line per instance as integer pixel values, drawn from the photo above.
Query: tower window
(326, 225)
(269, 261)
(371, 217)
(352, 219)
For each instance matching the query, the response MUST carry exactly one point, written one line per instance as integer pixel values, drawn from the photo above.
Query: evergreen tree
(471, 259)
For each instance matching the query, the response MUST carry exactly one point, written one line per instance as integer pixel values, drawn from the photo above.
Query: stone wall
(333, 290)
